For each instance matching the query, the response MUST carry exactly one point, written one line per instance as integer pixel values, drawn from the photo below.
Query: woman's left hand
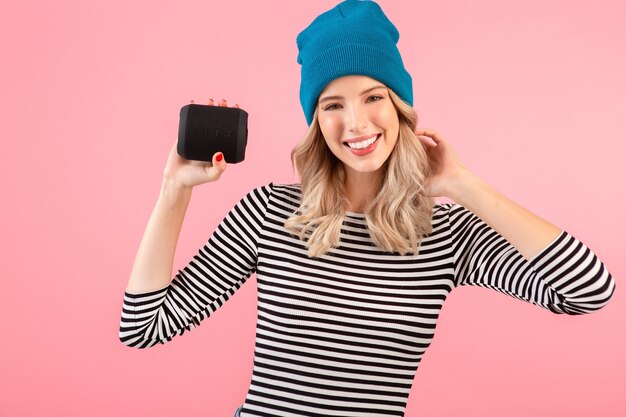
(447, 168)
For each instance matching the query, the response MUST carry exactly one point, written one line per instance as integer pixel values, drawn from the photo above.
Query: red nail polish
(218, 158)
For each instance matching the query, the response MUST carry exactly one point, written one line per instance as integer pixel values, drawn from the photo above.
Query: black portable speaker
(205, 130)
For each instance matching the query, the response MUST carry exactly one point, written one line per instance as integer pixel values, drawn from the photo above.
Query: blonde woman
(354, 262)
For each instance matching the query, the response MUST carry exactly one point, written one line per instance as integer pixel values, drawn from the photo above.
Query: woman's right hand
(188, 173)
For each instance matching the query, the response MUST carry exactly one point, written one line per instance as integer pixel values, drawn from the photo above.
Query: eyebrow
(363, 92)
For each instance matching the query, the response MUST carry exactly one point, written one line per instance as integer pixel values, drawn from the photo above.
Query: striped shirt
(343, 334)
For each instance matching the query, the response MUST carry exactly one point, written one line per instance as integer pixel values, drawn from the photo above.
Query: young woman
(354, 262)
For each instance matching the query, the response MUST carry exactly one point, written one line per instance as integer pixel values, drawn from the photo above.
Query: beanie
(353, 38)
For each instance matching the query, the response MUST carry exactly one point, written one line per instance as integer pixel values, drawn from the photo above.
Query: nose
(356, 118)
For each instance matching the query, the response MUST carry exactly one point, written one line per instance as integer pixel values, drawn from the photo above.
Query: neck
(361, 188)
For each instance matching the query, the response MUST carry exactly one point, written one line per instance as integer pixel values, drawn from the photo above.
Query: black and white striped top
(342, 335)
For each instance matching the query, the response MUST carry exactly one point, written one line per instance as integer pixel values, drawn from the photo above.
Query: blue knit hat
(353, 38)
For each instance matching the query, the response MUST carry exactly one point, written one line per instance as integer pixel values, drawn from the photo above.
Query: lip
(360, 139)
(365, 151)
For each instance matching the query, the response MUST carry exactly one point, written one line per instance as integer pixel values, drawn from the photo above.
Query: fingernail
(192, 101)
(218, 158)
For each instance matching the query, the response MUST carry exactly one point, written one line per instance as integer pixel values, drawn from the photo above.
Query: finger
(425, 131)
(223, 103)
(192, 102)
(431, 133)
(427, 140)
(210, 102)
(434, 136)
(219, 161)
(236, 105)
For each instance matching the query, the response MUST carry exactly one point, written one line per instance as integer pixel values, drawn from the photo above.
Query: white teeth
(364, 144)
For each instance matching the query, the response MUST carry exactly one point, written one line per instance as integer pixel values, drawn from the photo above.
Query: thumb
(219, 162)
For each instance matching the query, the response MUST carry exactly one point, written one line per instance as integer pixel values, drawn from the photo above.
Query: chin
(365, 168)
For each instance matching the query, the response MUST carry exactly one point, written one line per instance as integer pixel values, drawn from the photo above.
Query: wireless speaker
(205, 130)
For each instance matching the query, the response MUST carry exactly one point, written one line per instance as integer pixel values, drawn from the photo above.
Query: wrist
(173, 192)
(464, 186)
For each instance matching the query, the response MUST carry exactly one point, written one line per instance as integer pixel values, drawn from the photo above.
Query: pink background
(531, 95)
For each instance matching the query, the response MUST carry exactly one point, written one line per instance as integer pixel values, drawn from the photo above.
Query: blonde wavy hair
(398, 218)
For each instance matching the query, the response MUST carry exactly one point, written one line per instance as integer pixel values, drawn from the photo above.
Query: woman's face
(358, 107)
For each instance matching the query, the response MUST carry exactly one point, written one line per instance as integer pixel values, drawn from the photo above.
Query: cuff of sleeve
(552, 249)
(146, 294)
(144, 301)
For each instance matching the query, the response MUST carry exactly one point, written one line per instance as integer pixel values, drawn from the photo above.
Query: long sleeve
(564, 277)
(219, 269)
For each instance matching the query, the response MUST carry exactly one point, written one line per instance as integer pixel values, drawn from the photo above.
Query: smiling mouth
(365, 144)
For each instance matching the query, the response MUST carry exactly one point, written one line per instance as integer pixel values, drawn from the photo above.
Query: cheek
(384, 116)
(388, 116)
(329, 126)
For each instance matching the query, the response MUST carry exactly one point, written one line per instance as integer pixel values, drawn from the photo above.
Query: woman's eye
(370, 97)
